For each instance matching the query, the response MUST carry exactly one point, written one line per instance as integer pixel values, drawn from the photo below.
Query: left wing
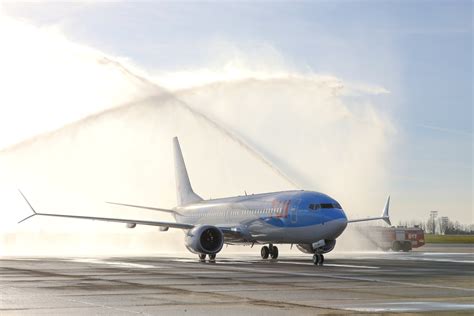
(146, 207)
(384, 216)
(108, 219)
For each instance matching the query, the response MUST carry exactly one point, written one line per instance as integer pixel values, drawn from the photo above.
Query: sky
(411, 60)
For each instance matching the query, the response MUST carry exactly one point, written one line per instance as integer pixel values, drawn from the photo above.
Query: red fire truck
(395, 238)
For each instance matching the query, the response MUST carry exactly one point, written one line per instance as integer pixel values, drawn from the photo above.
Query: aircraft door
(293, 210)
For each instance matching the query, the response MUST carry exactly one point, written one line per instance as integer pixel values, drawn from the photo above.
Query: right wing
(108, 219)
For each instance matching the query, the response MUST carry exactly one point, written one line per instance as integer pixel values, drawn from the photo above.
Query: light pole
(433, 215)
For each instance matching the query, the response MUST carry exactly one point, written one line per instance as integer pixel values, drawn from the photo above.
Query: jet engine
(205, 239)
(308, 248)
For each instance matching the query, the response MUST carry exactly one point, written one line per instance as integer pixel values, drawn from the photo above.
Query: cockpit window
(327, 205)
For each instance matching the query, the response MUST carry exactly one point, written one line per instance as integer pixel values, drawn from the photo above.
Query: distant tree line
(440, 226)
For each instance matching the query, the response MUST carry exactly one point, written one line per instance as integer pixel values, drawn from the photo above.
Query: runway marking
(22, 259)
(223, 261)
(220, 261)
(115, 263)
(340, 277)
(440, 260)
(436, 259)
(421, 256)
(114, 308)
(350, 266)
(332, 265)
(219, 266)
(410, 307)
(444, 253)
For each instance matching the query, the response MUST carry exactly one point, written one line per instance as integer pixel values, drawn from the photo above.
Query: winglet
(385, 215)
(31, 207)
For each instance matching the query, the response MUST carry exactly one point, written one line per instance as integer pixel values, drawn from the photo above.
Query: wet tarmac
(241, 284)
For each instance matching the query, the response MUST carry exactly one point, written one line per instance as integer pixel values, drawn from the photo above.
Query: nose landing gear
(318, 259)
(271, 251)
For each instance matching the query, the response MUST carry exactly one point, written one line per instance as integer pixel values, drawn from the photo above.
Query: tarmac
(428, 280)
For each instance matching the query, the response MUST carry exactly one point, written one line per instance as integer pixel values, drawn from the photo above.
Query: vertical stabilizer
(184, 191)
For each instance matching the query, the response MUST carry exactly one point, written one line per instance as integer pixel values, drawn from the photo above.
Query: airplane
(310, 220)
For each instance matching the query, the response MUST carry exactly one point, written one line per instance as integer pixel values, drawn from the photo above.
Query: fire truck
(395, 238)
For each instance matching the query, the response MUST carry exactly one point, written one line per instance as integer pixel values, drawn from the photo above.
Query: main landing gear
(271, 251)
(318, 259)
(202, 257)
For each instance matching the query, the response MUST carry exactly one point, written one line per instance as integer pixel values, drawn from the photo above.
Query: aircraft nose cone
(341, 223)
(341, 226)
(344, 216)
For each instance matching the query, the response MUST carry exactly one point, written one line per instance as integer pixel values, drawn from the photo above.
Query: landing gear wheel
(406, 246)
(264, 252)
(212, 257)
(274, 252)
(396, 246)
(316, 258)
(202, 257)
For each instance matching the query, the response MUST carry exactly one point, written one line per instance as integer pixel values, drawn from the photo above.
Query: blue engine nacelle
(205, 239)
